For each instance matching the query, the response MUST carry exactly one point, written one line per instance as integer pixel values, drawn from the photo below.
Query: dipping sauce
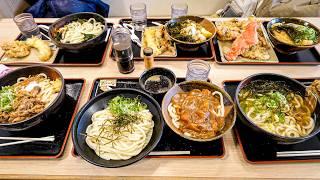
(158, 84)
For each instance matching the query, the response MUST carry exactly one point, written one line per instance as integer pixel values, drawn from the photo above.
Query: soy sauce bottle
(122, 50)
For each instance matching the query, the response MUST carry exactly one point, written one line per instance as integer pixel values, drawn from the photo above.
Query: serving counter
(232, 165)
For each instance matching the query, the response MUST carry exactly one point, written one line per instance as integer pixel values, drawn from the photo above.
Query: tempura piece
(44, 50)
(16, 49)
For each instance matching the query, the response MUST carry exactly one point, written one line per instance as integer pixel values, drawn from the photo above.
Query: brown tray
(206, 51)
(48, 150)
(259, 150)
(218, 150)
(96, 57)
(306, 57)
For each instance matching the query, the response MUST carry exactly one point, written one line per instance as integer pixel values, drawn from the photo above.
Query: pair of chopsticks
(298, 153)
(22, 140)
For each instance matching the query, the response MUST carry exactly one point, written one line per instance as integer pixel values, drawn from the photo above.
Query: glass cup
(139, 15)
(122, 49)
(27, 25)
(179, 9)
(198, 70)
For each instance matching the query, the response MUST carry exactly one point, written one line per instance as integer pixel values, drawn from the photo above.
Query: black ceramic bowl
(289, 48)
(76, 47)
(186, 86)
(156, 71)
(11, 78)
(191, 46)
(295, 86)
(83, 119)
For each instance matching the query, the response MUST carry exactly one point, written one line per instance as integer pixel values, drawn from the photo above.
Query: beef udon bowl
(29, 95)
(278, 107)
(198, 111)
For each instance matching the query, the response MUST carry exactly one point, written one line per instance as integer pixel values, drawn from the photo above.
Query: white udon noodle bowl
(127, 145)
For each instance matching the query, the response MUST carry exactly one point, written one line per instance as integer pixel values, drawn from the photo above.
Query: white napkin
(4, 70)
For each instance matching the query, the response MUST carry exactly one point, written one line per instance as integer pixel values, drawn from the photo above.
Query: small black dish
(11, 78)
(157, 71)
(292, 84)
(289, 48)
(77, 47)
(83, 119)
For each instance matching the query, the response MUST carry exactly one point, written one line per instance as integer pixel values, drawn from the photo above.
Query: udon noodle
(272, 106)
(80, 31)
(120, 131)
(28, 97)
(198, 113)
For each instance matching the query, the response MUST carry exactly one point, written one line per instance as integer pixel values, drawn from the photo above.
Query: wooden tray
(58, 125)
(171, 145)
(306, 57)
(205, 52)
(95, 57)
(256, 149)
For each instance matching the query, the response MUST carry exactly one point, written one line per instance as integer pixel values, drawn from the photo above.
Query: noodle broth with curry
(198, 111)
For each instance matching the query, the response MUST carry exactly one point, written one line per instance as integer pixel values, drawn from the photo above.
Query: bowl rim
(190, 43)
(216, 87)
(270, 23)
(90, 103)
(298, 139)
(51, 104)
(51, 29)
(141, 83)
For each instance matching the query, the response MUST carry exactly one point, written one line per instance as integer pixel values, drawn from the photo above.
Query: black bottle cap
(147, 51)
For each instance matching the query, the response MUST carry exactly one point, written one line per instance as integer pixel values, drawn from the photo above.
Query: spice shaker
(148, 58)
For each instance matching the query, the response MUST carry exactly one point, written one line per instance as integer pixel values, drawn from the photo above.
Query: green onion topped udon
(120, 131)
(272, 106)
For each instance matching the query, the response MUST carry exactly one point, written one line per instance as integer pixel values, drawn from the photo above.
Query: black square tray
(257, 149)
(205, 52)
(306, 57)
(94, 57)
(58, 125)
(171, 145)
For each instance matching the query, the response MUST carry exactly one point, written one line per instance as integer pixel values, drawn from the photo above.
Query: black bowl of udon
(289, 35)
(65, 33)
(278, 107)
(29, 95)
(117, 128)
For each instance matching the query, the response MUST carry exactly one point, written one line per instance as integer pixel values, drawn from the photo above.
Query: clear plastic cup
(27, 25)
(179, 9)
(198, 70)
(139, 15)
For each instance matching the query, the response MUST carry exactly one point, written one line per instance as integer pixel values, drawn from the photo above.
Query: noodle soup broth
(279, 109)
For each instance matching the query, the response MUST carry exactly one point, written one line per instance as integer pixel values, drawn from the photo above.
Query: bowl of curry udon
(29, 95)
(279, 108)
(198, 110)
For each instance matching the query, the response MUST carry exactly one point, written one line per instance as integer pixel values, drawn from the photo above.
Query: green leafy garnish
(299, 33)
(6, 98)
(88, 36)
(125, 110)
